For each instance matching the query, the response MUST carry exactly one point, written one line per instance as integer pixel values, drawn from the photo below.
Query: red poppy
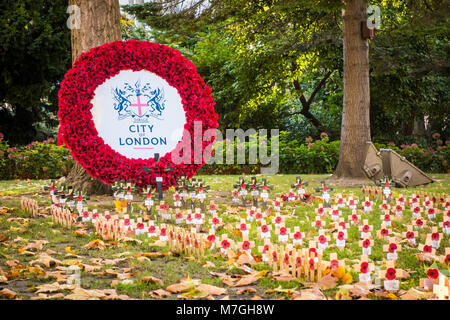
(79, 198)
(335, 212)
(198, 216)
(215, 220)
(297, 235)
(266, 248)
(427, 203)
(340, 201)
(107, 217)
(252, 212)
(243, 186)
(86, 214)
(320, 210)
(243, 227)
(163, 232)
(95, 215)
(431, 211)
(264, 228)
(342, 225)
(387, 217)
(311, 264)
(447, 224)
(384, 206)
(367, 203)
(277, 220)
(384, 232)
(435, 236)
(410, 235)
(298, 261)
(258, 215)
(427, 249)
(399, 208)
(126, 222)
(401, 199)
(312, 251)
(447, 259)
(354, 217)
(212, 207)
(352, 202)
(246, 245)
(334, 264)
(196, 243)
(318, 223)
(322, 239)
(366, 243)
(366, 228)
(277, 203)
(432, 273)
(92, 69)
(419, 222)
(179, 216)
(274, 256)
(140, 226)
(392, 247)
(282, 231)
(225, 244)
(211, 238)
(151, 229)
(390, 274)
(364, 267)
(341, 235)
(416, 209)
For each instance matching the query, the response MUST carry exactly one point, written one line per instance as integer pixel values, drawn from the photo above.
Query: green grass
(170, 269)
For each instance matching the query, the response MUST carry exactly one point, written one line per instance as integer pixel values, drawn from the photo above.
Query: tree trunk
(100, 24)
(355, 129)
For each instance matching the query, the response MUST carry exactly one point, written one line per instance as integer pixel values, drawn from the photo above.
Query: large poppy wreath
(78, 128)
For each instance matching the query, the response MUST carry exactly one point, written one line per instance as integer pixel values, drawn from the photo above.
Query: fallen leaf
(283, 276)
(150, 279)
(327, 282)
(248, 279)
(46, 260)
(211, 290)
(246, 290)
(208, 264)
(96, 244)
(309, 294)
(8, 294)
(183, 286)
(414, 294)
(159, 293)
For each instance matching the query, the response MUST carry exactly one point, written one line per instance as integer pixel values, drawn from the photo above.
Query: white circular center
(138, 114)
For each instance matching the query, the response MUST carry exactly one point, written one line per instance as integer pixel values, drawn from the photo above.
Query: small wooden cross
(364, 268)
(354, 218)
(366, 245)
(442, 290)
(334, 262)
(392, 248)
(427, 247)
(384, 231)
(297, 236)
(367, 205)
(365, 229)
(264, 230)
(283, 233)
(322, 240)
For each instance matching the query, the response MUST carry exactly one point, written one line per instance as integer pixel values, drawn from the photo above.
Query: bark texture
(100, 24)
(355, 129)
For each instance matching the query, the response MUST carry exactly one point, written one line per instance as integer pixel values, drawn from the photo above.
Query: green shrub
(38, 160)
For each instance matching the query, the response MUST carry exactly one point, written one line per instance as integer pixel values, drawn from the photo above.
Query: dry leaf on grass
(414, 294)
(251, 278)
(53, 287)
(43, 296)
(159, 293)
(96, 244)
(309, 294)
(155, 254)
(245, 259)
(327, 282)
(8, 294)
(184, 285)
(246, 290)
(283, 276)
(13, 263)
(211, 290)
(208, 264)
(46, 260)
(150, 279)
